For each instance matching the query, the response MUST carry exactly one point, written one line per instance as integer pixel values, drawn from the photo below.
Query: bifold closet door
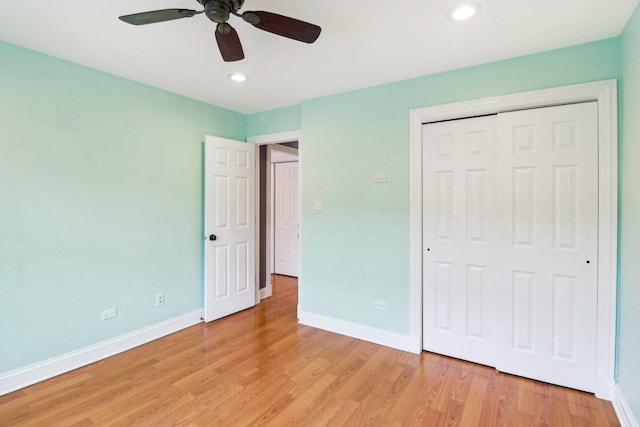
(547, 244)
(459, 238)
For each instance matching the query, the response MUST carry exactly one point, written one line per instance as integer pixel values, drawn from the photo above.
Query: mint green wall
(274, 121)
(100, 204)
(629, 291)
(358, 250)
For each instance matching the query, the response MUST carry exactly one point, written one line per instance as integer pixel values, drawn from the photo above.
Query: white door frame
(268, 139)
(605, 92)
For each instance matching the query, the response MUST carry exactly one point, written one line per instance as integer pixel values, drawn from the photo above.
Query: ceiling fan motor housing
(219, 10)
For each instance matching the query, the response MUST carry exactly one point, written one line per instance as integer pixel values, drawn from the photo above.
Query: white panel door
(459, 238)
(230, 233)
(286, 222)
(547, 245)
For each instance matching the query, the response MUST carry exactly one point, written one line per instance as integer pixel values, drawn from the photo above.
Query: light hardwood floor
(260, 367)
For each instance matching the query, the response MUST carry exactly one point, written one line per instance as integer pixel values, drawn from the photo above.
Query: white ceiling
(362, 44)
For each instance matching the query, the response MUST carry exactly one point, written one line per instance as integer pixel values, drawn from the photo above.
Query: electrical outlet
(109, 313)
(159, 299)
(379, 305)
(380, 179)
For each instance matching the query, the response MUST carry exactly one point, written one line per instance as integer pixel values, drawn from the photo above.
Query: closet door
(459, 238)
(547, 244)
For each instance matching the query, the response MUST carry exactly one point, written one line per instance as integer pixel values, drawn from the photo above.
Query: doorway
(282, 144)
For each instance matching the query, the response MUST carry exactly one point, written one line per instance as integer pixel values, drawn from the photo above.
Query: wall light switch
(109, 313)
(379, 179)
(318, 208)
(380, 305)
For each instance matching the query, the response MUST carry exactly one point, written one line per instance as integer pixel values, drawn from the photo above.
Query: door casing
(605, 93)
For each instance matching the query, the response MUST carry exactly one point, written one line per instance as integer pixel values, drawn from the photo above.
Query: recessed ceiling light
(465, 11)
(238, 77)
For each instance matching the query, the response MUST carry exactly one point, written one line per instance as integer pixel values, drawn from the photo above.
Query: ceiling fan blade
(283, 26)
(158, 16)
(229, 43)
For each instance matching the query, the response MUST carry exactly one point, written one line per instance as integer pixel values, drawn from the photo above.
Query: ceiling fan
(219, 11)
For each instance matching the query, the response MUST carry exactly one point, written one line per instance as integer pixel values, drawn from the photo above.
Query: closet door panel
(459, 238)
(547, 244)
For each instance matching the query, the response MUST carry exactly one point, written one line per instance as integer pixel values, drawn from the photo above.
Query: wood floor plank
(260, 367)
(472, 410)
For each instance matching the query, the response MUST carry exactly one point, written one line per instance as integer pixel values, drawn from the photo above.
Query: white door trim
(268, 139)
(605, 92)
(275, 138)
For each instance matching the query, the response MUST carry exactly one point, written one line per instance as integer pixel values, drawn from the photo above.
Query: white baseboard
(623, 410)
(28, 375)
(355, 330)
(605, 388)
(265, 292)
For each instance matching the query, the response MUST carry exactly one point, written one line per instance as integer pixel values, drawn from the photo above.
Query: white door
(286, 219)
(230, 229)
(510, 241)
(459, 238)
(548, 208)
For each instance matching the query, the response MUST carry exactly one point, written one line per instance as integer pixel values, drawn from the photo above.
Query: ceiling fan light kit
(219, 11)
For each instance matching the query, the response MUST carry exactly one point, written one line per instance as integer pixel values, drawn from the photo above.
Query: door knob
(213, 237)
